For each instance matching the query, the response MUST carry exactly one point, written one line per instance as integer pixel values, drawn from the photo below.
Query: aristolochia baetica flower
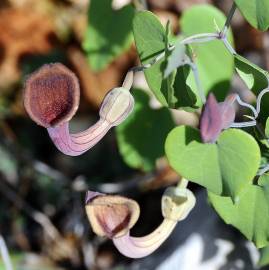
(51, 98)
(113, 216)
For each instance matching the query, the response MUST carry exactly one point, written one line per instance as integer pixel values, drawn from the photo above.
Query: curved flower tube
(51, 98)
(114, 216)
(137, 247)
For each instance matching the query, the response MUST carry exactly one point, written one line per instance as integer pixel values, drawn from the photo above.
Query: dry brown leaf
(166, 16)
(95, 85)
(23, 32)
(65, 248)
(164, 177)
(175, 5)
(183, 4)
(248, 38)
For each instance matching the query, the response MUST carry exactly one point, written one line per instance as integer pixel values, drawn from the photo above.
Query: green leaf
(190, 158)
(264, 256)
(253, 76)
(256, 12)
(142, 135)
(256, 80)
(223, 168)
(215, 64)
(187, 98)
(109, 33)
(151, 40)
(175, 59)
(250, 212)
(239, 159)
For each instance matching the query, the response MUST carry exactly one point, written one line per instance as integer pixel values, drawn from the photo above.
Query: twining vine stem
(263, 170)
(204, 38)
(197, 38)
(224, 31)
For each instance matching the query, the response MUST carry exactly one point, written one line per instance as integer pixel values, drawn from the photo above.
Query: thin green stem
(224, 31)
(259, 98)
(244, 124)
(140, 5)
(228, 46)
(263, 170)
(200, 38)
(150, 64)
(244, 104)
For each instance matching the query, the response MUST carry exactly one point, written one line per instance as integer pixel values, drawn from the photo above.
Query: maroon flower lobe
(51, 95)
(112, 216)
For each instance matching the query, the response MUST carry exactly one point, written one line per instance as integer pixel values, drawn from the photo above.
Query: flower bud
(211, 120)
(116, 106)
(177, 203)
(51, 95)
(227, 111)
(111, 215)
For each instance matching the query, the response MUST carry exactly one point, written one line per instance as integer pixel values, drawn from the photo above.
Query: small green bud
(116, 106)
(177, 203)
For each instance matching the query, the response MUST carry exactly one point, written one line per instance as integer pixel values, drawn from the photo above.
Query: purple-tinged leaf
(211, 120)
(227, 111)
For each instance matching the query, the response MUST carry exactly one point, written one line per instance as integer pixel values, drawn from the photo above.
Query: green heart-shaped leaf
(249, 213)
(239, 159)
(192, 159)
(109, 33)
(256, 12)
(223, 168)
(150, 40)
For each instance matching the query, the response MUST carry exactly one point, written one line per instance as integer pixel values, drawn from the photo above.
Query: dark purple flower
(51, 98)
(113, 216)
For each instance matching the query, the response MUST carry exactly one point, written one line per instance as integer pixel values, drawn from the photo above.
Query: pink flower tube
(113, 216)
